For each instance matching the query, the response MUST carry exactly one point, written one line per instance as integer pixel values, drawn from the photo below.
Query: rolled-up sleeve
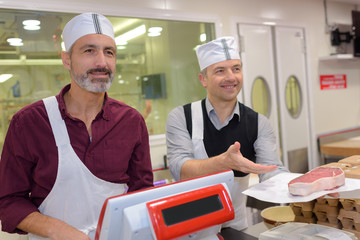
(266, 148)
(15, 175)
(179, 144)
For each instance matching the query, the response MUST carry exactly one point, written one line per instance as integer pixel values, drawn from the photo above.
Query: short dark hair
(204, 72)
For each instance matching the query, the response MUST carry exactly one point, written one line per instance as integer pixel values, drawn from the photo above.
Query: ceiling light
(203, 37)
(31, 27)
(15, 41)
(154, 34)
(31, 24)
(269, 23)
(124, 38)
(17, 44)
(154, 31)
(5, 77)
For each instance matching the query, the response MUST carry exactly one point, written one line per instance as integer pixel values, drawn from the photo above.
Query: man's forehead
(227, 63)
(96, 40)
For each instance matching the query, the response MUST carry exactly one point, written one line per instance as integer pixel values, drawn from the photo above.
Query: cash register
(190, 209)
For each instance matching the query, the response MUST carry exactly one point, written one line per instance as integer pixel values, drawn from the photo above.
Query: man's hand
(55, 229)
(231, 159)
(334, 195)
(67, 232)
(236, 161)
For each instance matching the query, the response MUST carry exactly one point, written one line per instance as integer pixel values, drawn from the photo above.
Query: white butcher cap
(84, 24)
(218, 50)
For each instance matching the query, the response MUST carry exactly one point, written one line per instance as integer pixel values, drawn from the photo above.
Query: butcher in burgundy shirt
(118, 152)
(113, 145)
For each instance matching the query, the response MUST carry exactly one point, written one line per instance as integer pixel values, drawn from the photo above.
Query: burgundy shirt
(118, 152)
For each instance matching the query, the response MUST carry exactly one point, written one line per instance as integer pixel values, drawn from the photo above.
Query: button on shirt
(118, 152)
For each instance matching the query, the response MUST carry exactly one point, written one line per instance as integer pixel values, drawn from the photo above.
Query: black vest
(218, 141)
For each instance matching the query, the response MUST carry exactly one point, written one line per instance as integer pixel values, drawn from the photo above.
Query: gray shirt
(180, 148)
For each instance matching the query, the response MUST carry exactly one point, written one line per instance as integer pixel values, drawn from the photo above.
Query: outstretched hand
(236, 161)
(334, 195)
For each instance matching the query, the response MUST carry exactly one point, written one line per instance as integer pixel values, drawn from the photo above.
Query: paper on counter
(276, 190)
(333, 234)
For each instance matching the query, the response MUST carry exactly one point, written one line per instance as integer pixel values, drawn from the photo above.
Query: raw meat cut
(318, 179)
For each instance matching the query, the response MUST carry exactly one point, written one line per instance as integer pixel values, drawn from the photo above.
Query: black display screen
(356, 32)
(191, 210)
(153, 86)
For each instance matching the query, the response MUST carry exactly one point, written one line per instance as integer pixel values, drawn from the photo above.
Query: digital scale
(190, 209)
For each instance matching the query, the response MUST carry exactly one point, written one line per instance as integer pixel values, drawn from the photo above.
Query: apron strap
(197, 121)
(57, 123)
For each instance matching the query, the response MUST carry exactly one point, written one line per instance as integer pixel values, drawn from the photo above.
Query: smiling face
(92, 62)
(223, 81)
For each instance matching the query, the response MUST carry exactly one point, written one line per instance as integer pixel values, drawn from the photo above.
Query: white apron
(240, 183)
(77, 195)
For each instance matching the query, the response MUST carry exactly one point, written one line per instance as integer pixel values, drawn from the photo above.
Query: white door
(259, 88)
(278, 56)
(293, 98)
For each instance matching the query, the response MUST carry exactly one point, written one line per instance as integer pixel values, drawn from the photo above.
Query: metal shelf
(339, 57)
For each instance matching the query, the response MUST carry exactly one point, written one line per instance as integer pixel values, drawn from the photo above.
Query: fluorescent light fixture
(5, 77)
(31, 24)
(124, 38)
(121, 47)
(269, 23)
(15, 41)
(154, 31)
(154, 34)
(31, 27)
(18, 44)
(203, 37)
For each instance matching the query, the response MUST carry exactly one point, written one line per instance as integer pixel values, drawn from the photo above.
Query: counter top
(347, 147)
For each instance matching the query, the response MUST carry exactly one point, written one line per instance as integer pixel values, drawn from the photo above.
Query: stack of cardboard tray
(338, 213)
(349, 215)
(327, 211)
(304, 211)
(321, 211)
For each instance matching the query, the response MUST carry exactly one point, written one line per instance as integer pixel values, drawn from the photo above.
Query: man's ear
(65, 57)
(202, 79)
